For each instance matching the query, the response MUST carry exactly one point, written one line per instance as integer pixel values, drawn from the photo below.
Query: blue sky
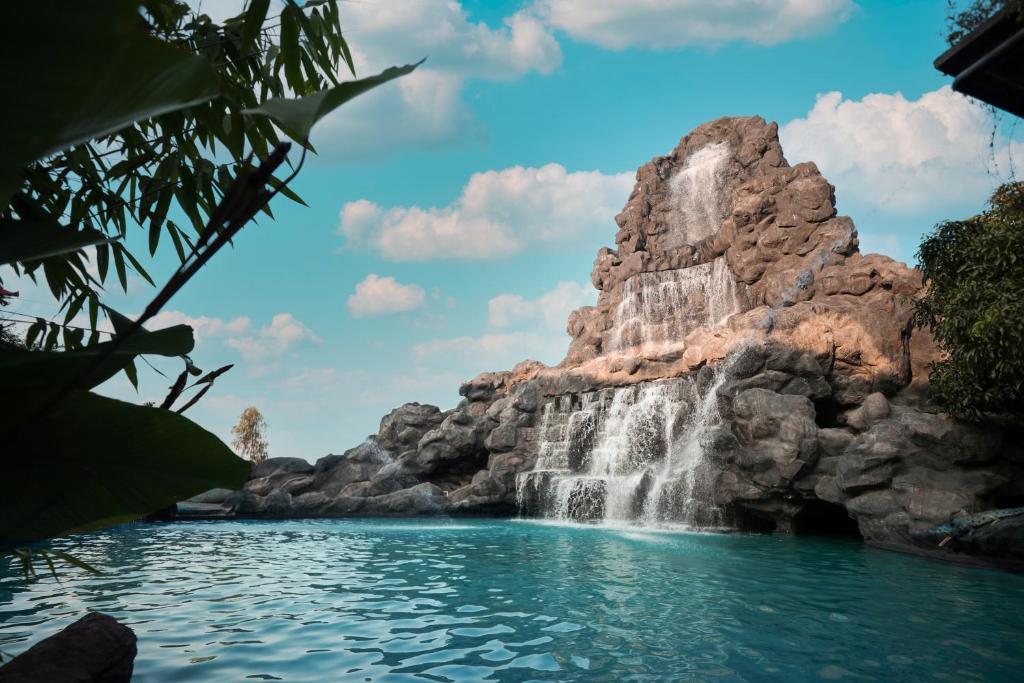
(453, 217)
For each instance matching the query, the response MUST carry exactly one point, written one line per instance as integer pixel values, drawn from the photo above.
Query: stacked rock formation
(723, 250)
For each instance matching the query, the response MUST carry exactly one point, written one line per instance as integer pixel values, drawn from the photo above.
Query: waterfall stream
(695, 195)
(638, 454)
(627, 455)
(658, 309)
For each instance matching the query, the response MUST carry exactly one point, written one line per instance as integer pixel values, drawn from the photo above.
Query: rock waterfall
(628, 455)
(637, 454)
(744, 366)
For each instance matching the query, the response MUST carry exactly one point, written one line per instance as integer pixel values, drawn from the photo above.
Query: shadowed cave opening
(827, 412)
(456, 473)
(821, 518)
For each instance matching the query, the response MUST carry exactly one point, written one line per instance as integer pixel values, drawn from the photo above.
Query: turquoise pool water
(372, 600)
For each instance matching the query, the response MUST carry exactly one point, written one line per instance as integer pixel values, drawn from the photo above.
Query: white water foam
(658, 309)
(695, 195)
(627, 456)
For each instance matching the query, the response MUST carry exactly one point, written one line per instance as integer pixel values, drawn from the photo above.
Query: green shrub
(975, 308)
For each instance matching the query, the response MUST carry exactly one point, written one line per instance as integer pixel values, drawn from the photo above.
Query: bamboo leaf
(297, 116)
(100, 72)
(107, 462)
(255, 15)
(195, 399)
(27, 240)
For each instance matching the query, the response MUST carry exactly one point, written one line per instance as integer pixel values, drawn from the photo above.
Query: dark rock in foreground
(94, 649)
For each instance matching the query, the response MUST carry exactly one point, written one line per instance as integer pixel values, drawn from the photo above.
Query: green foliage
(96, 74)
(147, 162)
(120, 117)
(39, 377)
(40, 237)
(973, 306)
(89, 461)
(97, 461)
(297, 116)
(961, 22)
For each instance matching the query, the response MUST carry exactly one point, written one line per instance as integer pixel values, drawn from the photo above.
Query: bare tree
(250, 435)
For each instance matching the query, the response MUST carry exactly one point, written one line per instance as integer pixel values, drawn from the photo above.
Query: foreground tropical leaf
(99, 462)
(82, 73)
(29, 240)
(35, 378)
(297, 116)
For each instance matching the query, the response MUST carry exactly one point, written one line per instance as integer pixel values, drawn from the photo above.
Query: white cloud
(665, 24)
(310, 378)
(492, 351)
(283, 332)
(377, 295)
(904, 155)
(498, 214)
(203, 326)
(425, 108)
(537, 331)
(551, 309)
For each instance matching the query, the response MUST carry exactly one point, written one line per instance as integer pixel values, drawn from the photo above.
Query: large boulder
(94, 649)
(402, 428)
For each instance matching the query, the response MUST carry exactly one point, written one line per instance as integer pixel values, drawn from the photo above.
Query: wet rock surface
(723, 251)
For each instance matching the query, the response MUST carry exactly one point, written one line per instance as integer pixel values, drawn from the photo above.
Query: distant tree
(250, 435)
(975, 274)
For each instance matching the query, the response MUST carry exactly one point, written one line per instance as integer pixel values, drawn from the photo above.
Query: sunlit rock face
(744, 367)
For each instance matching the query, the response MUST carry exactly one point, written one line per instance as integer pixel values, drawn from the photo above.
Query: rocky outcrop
(94, 649)
(733, 276)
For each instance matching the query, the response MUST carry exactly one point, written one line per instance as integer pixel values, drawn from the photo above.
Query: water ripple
(376, 600)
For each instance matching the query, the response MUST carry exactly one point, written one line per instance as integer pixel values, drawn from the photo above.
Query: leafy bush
(975, 308)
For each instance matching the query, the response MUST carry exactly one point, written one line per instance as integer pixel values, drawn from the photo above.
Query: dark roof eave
(975, 44)
(987, 63)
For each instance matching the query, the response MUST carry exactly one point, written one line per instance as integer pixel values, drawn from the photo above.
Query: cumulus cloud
(283, 333)
(904, 155)
(377, 295)
(425, 108)
(550, 310)
(203, 326)
(498, 214)
(665, 24)
(491, 351)
(523, 328)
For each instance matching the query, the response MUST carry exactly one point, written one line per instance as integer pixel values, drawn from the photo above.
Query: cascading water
(658, 309)
(628, 455)
(695, 195)
(638, 454)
